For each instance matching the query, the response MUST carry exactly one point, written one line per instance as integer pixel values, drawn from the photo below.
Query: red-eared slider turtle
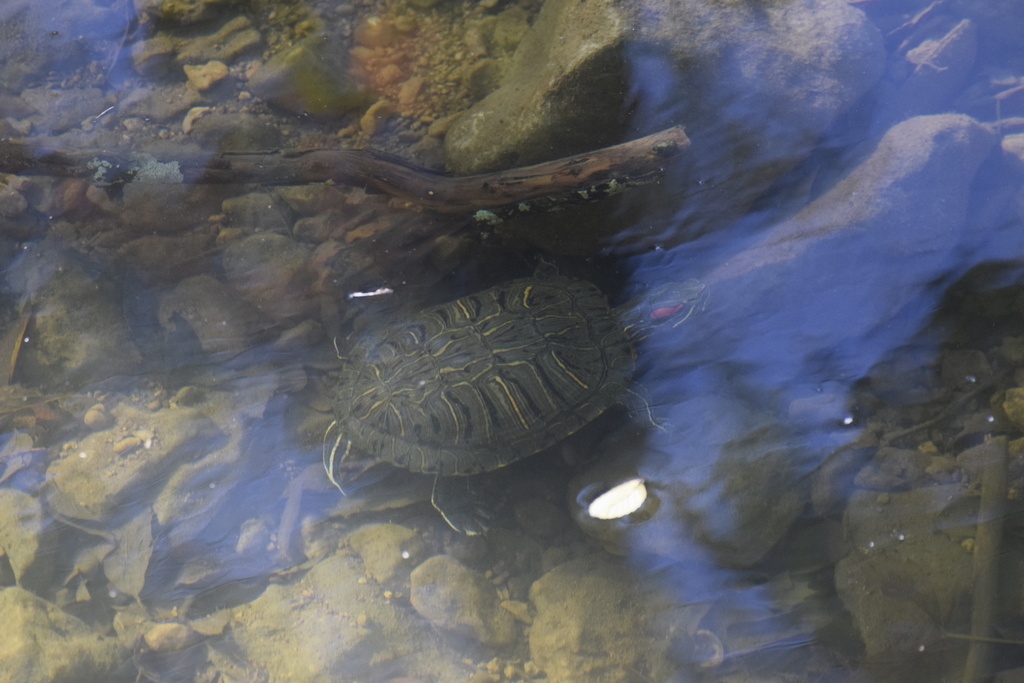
(480, 382)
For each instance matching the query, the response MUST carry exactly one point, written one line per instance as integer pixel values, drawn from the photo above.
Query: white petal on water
(619, 501)
(377, 292)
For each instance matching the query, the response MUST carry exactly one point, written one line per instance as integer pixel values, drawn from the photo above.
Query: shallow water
(831, 444)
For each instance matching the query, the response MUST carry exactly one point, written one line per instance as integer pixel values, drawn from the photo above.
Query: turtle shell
(477, 383)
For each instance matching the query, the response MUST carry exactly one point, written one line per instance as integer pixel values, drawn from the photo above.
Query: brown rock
(386, 549)
(1013, 406)
(460, 600)
(273, 273)
(591, 625)
(211, 309)
(207, 75)
(309, 77)
(540, 517)
(47, 645)
(169, 637)
(94, 480)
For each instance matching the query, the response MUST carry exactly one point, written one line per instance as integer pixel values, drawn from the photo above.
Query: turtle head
(669, 305)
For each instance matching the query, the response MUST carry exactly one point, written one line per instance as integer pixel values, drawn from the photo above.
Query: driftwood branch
(987, 543)
(542, 186)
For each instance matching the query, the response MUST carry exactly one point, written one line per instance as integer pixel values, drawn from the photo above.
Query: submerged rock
(461, 600)
(388, 550)
(211, 310)
(563, 93)
(24, 539)
(294, 632)
(593, 625)
(889, 583)
(938, 69)
(44, 644)
(755, 86)
(78, 333)
(835, 275)
(183, 11)
(894, 469)
(273, 273)
(310, 77)
(257, 212)
(730, 501)
(96, 477)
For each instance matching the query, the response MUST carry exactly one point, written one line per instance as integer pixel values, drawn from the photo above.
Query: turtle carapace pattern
(480, 382)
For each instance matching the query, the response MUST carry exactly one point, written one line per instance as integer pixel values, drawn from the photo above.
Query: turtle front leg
(331, 460)
(461, 504)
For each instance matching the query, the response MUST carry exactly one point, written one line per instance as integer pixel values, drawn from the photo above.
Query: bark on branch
(544, 186)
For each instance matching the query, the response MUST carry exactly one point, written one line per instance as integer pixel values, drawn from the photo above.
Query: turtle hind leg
(638, 403)
(461, 504)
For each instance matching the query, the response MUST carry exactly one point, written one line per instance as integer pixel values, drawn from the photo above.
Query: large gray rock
(42, 644)
(885, 197)
(564, 92)
(840, 271)
(755, 84)
(41, 39)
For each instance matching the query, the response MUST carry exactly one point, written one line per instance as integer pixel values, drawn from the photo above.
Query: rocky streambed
(834, 469)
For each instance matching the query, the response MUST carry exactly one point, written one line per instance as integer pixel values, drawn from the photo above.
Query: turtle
(475, 384)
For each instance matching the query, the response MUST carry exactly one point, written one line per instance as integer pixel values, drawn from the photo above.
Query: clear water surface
(829, 446)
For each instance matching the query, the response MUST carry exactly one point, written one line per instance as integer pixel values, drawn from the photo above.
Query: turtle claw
(470, 525)
(461, 505)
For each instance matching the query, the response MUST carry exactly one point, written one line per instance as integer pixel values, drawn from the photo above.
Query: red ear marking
(659, 313)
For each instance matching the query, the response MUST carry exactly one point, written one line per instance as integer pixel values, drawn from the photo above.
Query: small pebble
(193, 115)
(168, 637)
(126, 444)
(97, 418)
(377, 114)
(520, 610)
(376, 33)
(204, 76)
